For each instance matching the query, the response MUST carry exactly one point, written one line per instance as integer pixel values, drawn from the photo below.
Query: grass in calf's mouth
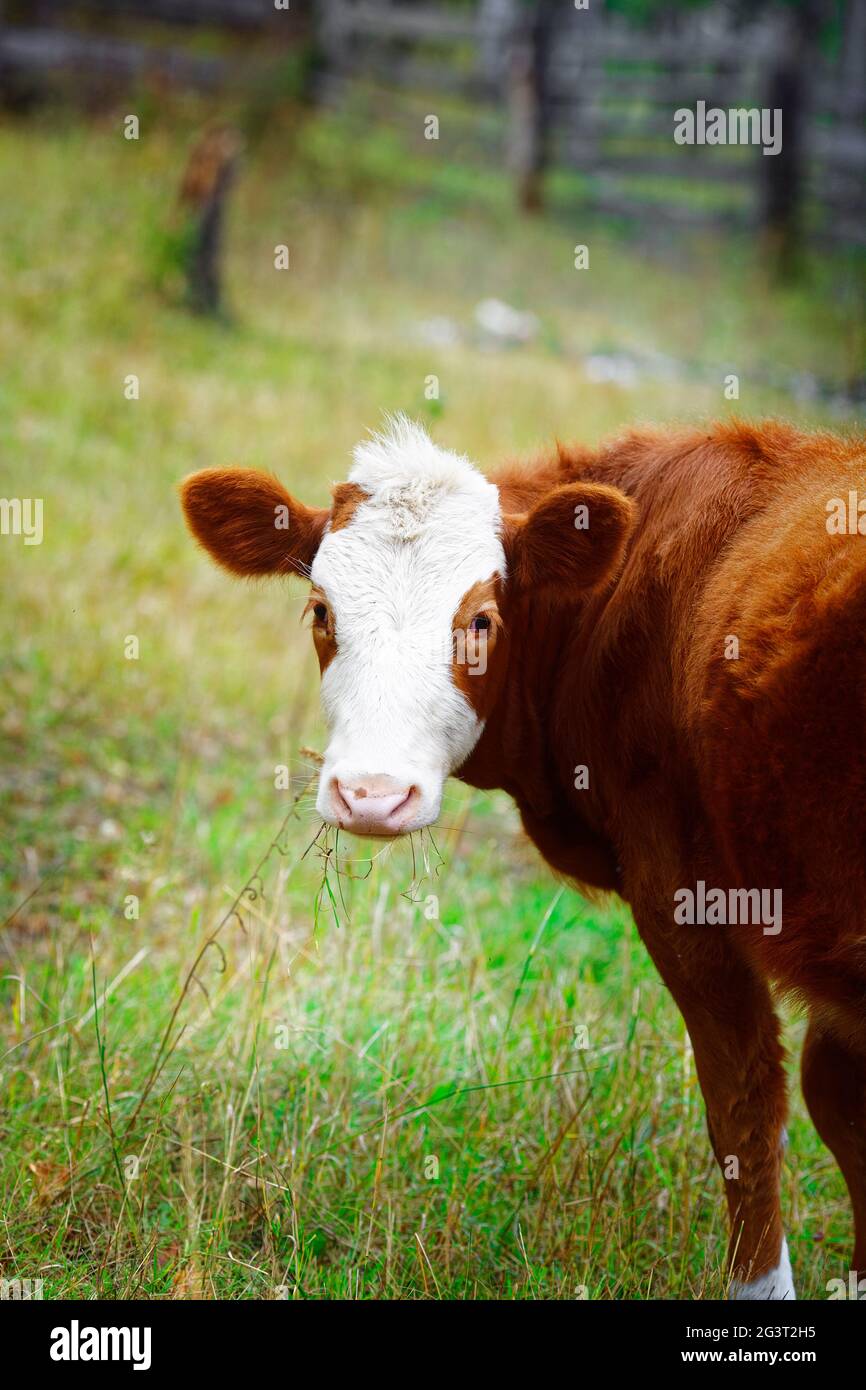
(421, 845)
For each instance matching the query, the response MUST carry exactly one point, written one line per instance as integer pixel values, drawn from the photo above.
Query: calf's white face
(407, 571)
(423, 535)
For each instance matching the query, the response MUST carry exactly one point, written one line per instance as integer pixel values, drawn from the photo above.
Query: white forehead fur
(427, 530)
(394, 575)
(407, 477)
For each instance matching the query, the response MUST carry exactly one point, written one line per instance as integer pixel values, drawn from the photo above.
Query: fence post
(852, 101)
(329, 16)
(529, 103)
(788, 91)
(206, 182)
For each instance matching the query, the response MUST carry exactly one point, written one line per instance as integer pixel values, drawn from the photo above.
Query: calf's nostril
(338, 796)
(399, 812)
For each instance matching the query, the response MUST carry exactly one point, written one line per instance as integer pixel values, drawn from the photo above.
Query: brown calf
(674, 634)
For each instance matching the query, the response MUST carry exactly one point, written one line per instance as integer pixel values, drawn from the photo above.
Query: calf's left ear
(249, 524)
(572, 540)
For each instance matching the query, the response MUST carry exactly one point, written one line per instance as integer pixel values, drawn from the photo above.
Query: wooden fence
(585, 90)
(540, 86)
(97, 45)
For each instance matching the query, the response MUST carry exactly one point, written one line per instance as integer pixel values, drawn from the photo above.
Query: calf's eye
(480, 623)
(320, 612)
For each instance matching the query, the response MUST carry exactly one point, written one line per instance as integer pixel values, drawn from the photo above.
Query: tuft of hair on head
(402, 452)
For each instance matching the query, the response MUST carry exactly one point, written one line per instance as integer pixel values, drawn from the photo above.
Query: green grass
(387, 1100)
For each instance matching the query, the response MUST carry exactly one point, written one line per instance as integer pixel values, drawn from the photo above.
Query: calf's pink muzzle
(377, 805)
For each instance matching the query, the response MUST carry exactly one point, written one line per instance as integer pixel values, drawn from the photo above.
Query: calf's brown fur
(743, 772)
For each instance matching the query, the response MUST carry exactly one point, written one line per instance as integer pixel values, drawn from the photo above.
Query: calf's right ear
(249, 524)
(571, 541)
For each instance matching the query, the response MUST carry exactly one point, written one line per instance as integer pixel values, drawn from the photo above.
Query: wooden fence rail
(580, 89)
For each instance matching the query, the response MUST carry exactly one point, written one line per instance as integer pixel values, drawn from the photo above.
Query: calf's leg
(834, 1087)
(738, 1055)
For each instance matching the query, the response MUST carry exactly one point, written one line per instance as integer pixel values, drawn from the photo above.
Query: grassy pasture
(373, 1086)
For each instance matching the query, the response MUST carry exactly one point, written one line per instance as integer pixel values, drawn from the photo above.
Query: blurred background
(237, 1060)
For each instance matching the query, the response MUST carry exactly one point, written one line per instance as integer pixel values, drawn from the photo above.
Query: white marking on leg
(777, 1283)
